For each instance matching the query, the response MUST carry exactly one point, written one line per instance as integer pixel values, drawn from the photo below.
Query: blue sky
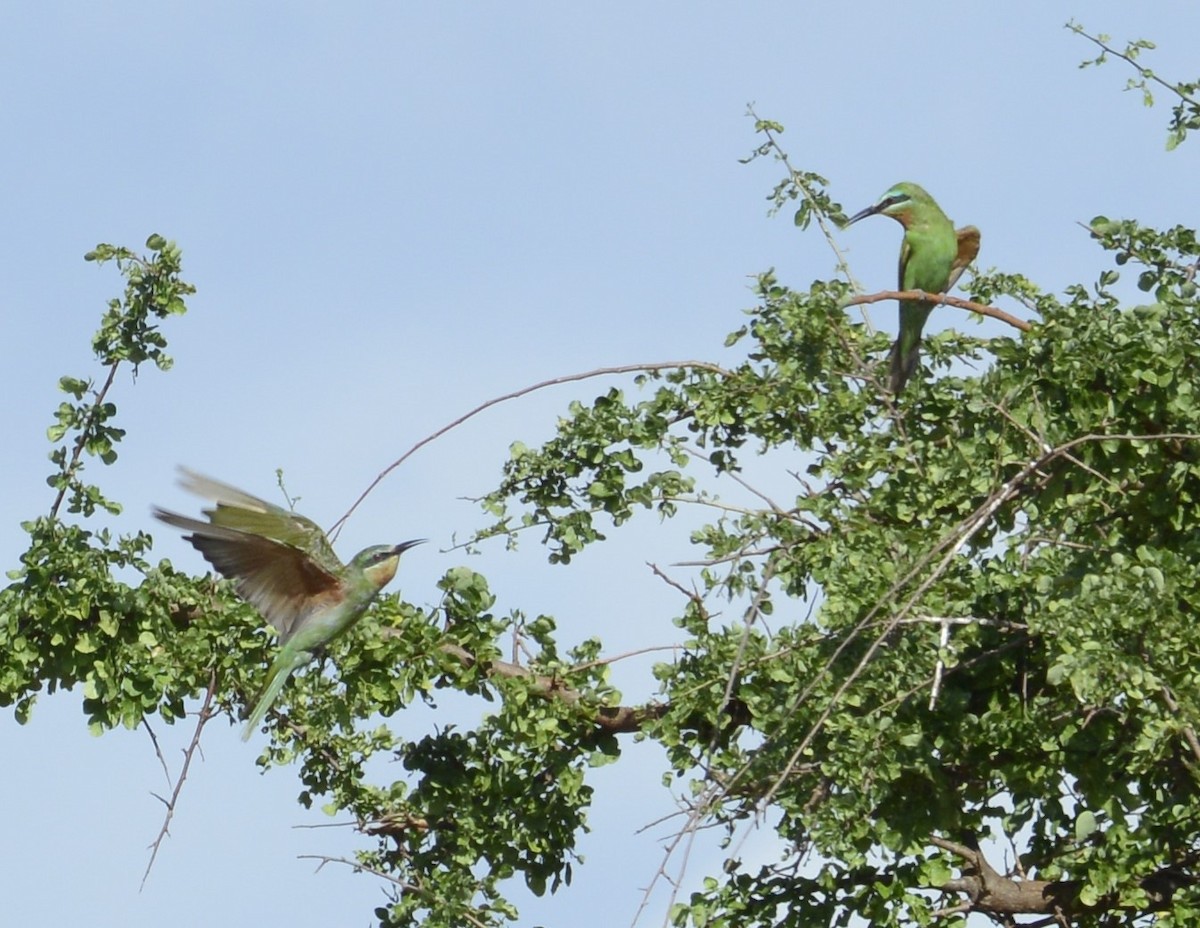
(396, 211)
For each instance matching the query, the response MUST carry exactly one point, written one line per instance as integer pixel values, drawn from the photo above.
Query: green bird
(933, 256)
(283, 565)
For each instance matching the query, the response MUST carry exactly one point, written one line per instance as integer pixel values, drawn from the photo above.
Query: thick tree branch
(993, 893)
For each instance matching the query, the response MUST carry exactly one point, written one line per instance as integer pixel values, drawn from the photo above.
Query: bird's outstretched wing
(279, 561)
(246, 513)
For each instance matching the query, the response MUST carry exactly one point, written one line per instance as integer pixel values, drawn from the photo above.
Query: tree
(1003, 568)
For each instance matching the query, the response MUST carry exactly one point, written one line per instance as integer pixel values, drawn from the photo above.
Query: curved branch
(495, 401)
(957, 302)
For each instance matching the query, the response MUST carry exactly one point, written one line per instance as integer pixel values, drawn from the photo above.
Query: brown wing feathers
(281, 581)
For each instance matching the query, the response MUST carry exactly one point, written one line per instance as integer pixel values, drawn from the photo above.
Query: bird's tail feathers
(281, 670)
(903, 365)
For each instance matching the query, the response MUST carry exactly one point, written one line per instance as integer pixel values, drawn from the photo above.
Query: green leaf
(1085, 825)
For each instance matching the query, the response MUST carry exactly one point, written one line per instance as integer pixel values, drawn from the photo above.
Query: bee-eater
(933, 256)
(283, 564)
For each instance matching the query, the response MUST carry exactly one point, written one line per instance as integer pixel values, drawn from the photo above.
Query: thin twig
(636, 652)
(949, 620)
(524, 391)
(202, 718)
(675, 584)
(157, 750)
(718, 505)
(668, 853)
(704, 802)
(699, 455)
(1044, 446)
(1146, 73)
(797, 180)
(739, 555)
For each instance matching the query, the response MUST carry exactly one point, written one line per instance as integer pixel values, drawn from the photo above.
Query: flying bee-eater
(282, 563)
(933, 256)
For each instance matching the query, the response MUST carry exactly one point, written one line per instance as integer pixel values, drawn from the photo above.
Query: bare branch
(957, 302)
(516, 394)
(676, 585)
(202, 718)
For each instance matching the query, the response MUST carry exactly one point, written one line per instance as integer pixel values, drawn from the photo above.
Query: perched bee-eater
(933, 256)
(283, 564)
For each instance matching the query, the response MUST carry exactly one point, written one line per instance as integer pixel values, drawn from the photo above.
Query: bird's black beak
(862, 214)
(405, 545)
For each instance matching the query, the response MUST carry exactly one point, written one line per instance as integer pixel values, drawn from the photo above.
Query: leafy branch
(805, 186)
(1184, 116)
(128, 334)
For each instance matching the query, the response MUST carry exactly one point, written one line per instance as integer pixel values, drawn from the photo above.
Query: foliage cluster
(1004, 563)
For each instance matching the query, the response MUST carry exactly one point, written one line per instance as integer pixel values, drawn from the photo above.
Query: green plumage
(932, 257)
(283, 564)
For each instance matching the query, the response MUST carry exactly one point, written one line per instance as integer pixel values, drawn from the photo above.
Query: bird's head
(379, 562)
(899, 203)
